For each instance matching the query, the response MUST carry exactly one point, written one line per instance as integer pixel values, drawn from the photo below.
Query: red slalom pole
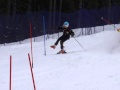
(107, 22)
(31, 42)
(10, 73)
(31, 71)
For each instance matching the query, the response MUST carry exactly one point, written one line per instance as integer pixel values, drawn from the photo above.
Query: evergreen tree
(12, 7)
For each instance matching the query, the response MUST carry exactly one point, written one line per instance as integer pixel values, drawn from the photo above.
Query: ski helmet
(66, 24)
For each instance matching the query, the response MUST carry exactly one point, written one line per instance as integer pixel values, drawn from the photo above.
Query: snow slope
(97, 68)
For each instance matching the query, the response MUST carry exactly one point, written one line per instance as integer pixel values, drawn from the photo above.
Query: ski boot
(62, 52)
(53, 46)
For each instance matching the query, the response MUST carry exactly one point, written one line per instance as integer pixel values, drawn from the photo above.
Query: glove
(72, 34)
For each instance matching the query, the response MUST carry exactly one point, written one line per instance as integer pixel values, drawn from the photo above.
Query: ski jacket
(67, 32)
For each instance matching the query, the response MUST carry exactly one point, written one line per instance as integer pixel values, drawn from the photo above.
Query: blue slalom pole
(44, 35)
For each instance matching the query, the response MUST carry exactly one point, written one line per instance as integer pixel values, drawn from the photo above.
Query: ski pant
(62, 39)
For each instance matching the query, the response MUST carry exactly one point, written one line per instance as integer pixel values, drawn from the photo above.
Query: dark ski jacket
(67, 32)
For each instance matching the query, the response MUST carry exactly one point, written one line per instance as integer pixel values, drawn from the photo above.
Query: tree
(8, 7)
(12, 7)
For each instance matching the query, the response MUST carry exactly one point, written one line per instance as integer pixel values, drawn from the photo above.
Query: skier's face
(64, 26)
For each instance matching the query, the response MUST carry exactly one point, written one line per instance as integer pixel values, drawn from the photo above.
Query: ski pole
(79, 43)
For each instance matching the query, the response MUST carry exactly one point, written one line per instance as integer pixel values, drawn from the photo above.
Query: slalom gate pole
(79, 43)
(104, 20)
(44, 35)
(31, 71)
(10, 87)
(31, 42)
(107, 22)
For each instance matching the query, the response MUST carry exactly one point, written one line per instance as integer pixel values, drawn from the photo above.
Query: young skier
(66, 35)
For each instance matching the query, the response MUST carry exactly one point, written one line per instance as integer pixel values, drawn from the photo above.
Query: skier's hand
(72, 34)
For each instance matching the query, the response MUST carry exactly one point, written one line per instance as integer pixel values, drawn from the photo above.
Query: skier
(66, 35)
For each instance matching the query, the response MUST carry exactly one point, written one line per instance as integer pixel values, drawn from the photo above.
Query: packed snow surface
(97, 68)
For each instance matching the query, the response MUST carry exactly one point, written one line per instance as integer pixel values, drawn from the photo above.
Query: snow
(97, 68)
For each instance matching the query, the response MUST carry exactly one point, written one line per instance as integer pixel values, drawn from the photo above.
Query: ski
(61, 53)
